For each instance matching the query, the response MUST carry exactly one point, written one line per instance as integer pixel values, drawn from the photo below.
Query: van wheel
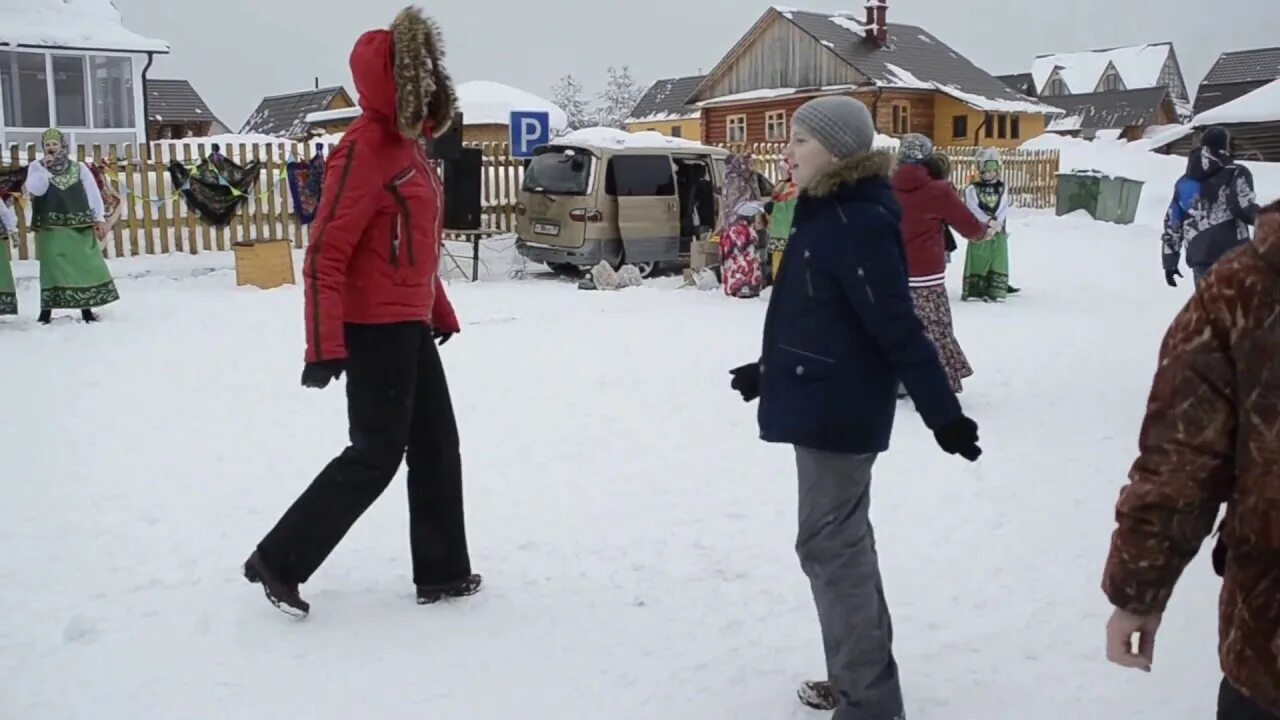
(568, 269)
(646, 269)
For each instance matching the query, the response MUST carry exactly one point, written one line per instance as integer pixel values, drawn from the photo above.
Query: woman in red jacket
(375, 309)
(928, 205)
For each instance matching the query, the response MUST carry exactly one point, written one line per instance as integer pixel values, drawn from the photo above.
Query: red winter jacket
(375, 245)
(926, 205)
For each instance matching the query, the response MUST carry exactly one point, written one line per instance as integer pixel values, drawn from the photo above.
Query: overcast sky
(237, 51)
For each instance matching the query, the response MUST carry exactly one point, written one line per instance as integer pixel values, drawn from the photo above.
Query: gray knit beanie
(914, 149)
(839, 123)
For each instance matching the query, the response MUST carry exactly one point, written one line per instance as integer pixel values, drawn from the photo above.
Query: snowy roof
(1245, 66)
(327, 116)
(286, 115)
(490, 103)
(1109, 110)
(611, 139)
(667, 100)
(1139, 67)
(86, 24)
(911, 58)
(1261, 105)
(176, 101)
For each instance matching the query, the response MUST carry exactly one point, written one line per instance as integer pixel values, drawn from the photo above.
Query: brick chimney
(877, 22)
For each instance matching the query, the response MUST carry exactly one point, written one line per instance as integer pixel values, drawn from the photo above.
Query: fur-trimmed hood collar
(400, 76)
(1267, 237)
(875, 164)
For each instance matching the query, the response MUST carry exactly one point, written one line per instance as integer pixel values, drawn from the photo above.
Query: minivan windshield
(559, 171)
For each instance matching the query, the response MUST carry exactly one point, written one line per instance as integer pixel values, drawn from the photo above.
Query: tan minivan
(581, 203)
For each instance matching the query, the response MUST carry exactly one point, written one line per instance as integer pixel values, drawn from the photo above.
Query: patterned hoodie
(1213, 206)
(1211, 437)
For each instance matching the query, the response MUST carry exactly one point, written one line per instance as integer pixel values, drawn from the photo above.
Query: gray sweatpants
(837, 550)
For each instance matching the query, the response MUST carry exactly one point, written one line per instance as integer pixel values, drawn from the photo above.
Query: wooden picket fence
(154, 219)
(1030, 175)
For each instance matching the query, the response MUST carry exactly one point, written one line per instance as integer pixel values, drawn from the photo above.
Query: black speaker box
(448, 145)
(462, 190)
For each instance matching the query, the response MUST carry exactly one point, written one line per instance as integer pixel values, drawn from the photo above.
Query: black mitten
(318, 375)
(959, 437)
(746, 380)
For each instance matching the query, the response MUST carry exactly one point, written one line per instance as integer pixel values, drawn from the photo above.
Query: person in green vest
(69, 219)
(8, 235)
(986, 263)
(781, 211)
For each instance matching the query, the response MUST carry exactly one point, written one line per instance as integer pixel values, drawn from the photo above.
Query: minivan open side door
(648, 206)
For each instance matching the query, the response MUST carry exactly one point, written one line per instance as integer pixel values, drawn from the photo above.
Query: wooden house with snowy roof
(911, 81)
(72, 64)
(664, 108)
(1253, 119)
(285, 116)
(1236, 74)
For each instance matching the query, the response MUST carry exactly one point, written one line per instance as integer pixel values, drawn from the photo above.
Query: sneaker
(281, 594)
(431, 594)
(1013, 290)
(817, 695)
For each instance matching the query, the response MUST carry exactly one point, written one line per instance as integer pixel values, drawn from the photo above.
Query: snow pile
(1139, 67)
(613, 139)
(489, 103)
(70, 23)
(326, 116)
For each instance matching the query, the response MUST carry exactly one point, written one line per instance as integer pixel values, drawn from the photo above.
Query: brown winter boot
(281, 594)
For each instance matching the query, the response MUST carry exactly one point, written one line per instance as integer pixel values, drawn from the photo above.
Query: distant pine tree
(621, 93)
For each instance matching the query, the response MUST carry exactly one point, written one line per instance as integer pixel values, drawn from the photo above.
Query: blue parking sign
(529, 129)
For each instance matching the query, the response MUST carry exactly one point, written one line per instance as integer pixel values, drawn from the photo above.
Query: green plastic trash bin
(1106, 198)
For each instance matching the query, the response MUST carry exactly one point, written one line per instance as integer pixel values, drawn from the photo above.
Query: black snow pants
(1234, 705)
(397, 400)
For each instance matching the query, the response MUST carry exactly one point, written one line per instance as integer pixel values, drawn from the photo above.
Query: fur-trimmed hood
(875, 164)
(400, 76)
(1267, 237)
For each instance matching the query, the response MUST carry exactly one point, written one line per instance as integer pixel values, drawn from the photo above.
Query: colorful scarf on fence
(305, 181)
(12, 179)
(111, 205)
(216, 188)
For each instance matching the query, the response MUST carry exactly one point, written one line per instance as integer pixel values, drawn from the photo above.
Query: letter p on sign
(529, 130)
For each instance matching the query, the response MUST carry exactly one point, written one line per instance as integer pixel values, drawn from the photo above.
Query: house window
(960, 127)
(901, 118)
(25, 84)
(736, 129)
(1015, 127)
(92, 91)
(1111, 82)
(1056, 87)
(775, 126)
(70, 91)
(989, 126)
(677, 131)
(1002, 123)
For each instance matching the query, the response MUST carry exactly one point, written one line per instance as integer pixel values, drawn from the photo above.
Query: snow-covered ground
(635, 536)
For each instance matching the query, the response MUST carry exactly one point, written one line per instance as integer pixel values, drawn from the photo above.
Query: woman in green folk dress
(8, 232)
(986, 266)
(68, 217)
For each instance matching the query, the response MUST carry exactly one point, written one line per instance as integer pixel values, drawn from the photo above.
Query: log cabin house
(910, 80)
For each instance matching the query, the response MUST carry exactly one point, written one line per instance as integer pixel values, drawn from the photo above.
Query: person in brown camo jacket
(1211, 436)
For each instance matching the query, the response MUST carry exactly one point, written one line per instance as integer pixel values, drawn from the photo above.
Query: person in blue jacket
(839, 333)
(1214, 205)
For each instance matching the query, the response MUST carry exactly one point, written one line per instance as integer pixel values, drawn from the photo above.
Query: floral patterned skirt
(933, 307)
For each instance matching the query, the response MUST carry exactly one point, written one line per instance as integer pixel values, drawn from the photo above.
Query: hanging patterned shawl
(110, 195)
(12, 179)
(305, 181)
(738, 179)
(216, 188)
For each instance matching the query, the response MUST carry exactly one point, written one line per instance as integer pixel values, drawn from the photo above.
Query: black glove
(318, 375)
(746, 380)
(959, 437)
(1169, 276)
(441, 336)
